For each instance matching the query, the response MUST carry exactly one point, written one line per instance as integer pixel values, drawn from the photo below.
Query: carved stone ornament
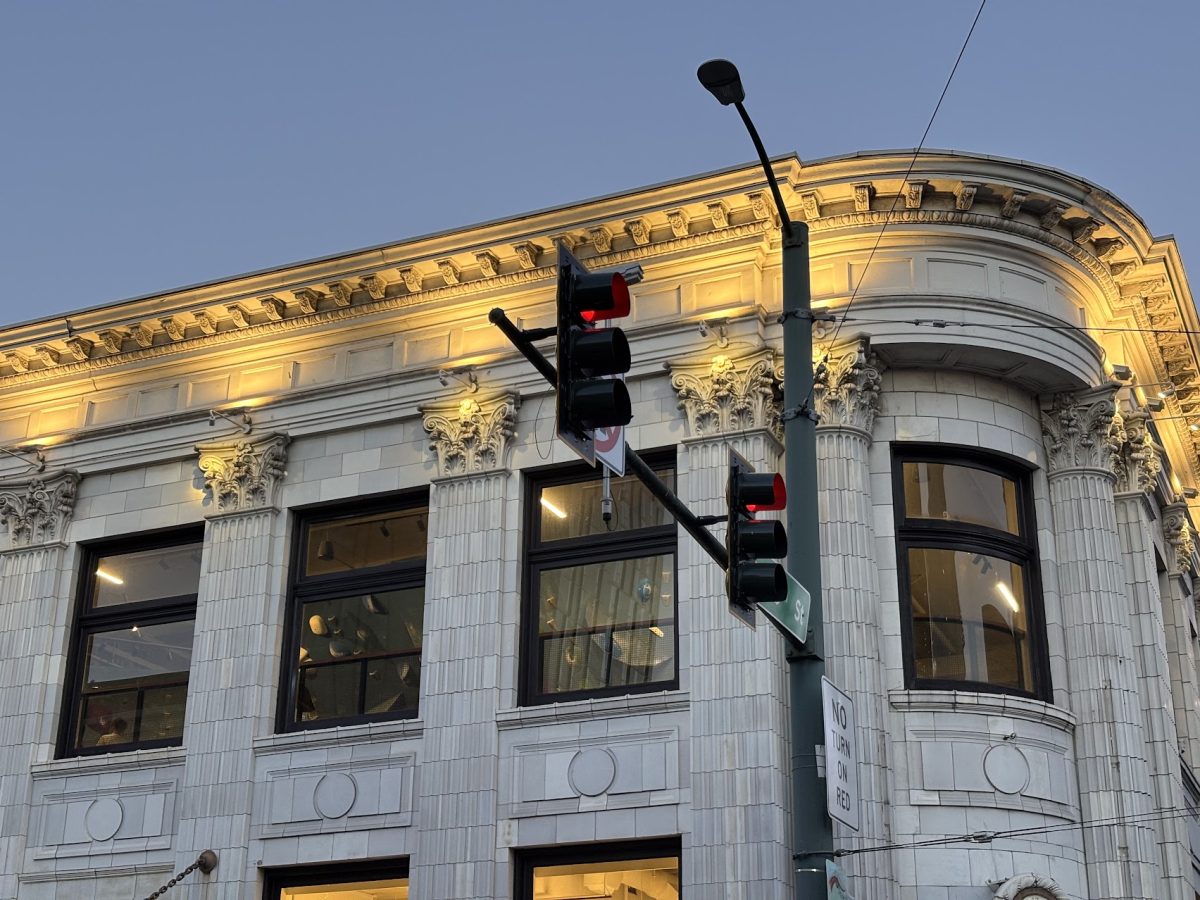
(273, 307)
(471, 435)
(238, 314)
(1053, 215)
(80, 348)
(678, 220)
(601, 239)
(37, 510)
(846, 389)
(19, 362)
(1082, 233)
(489, 263)
(1012, 205)
(719, 211)
(964, 195)
(527, 254)
(450, 272)
(413, 279)
(307, 299)
(639, 230)
(46, 355)
(1082, 430)
(143, 335)
(725, 394)
(1138, 462)
(760, 205)
(376, 286)
(207, 323)
(113, 340)
(812, 205)
(863, 193)
(1177, 529)
(244, 474)
(175, 328)
(341, 294)
(1028, 887)
(914, 194)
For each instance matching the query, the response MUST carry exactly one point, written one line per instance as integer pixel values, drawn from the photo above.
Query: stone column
(1110, 753)
(1180, 612)
(34, 616)
(846, 397)
(739, 845)
(469, 521)
(1137, 465)
(232, 688)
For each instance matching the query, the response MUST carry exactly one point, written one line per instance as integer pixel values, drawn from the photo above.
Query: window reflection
(640, 879)
(389, 889)
(343, 545)
(573, 510)
(969, 618)
(607, 624)
(144, 575)
(960, 494)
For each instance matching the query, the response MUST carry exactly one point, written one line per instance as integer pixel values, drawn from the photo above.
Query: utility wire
(986, 837)
(1066, 326)
(911, 164)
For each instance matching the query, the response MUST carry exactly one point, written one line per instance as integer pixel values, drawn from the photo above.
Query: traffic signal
(749, 582)
(587, 356)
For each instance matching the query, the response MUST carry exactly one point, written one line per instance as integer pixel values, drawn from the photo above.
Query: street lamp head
(720, 77)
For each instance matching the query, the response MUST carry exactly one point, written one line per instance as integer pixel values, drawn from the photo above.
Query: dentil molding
(244, 474)
(730, 392)
(846, 387)
(38, 510)
(472, 434)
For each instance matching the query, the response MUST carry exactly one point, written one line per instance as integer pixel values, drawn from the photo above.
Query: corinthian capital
(1177, 529)
(1137, 462)
(723, 394)
(846, 389)
(37, 510)
(471, 435)
(1082, 430)
(244, 474)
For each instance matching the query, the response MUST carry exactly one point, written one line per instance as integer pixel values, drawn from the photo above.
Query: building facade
(296, 571)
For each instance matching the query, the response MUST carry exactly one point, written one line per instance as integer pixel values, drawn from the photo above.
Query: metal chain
(178, 878)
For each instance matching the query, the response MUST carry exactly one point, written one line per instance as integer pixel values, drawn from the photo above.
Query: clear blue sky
(148, 145)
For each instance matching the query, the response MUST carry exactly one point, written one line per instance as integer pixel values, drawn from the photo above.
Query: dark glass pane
(960, 494)
(389, 889)
(381, 630)
(607, 624)
(573, 510)
(969, 618)
(135, 684)
(380, 539)
(635, 878)
(147, 575)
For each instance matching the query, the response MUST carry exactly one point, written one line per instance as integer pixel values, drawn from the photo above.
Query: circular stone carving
(334, 795)
(103, 818)
(1006, 768)
(592, 771)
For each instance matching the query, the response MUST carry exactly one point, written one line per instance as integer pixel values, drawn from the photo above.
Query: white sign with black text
(841, 755)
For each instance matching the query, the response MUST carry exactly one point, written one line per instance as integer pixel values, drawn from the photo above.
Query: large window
(600, 596)
(968, 573)
(384, 880)
(132, 644)
(643, 871)
(356, 615)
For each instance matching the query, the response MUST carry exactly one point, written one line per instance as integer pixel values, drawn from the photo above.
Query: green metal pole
(813, 827)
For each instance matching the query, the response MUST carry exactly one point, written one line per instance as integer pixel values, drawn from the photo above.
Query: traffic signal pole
(813, 828)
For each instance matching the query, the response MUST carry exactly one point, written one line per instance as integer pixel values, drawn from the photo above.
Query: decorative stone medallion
(1006, 768)
(335, 794)
(103, 818)
(592, 771)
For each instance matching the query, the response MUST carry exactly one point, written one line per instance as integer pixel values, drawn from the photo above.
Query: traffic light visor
(602, 295)
(763, 491)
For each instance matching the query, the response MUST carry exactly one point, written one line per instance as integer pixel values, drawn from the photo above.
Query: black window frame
(637, 543)
(526, 860)
(87, 621)
(403, 575)
(332, 874)
(936, 534)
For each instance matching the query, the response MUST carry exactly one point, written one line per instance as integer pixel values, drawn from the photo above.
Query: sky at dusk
(150, 145)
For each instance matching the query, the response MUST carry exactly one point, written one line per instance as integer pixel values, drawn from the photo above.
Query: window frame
(596, 852)
(87, 621)
(936, 534)
(403, 575)
(640, 543)
(328, 874)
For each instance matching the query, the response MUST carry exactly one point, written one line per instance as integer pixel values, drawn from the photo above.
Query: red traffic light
(600, 295)
(778, 494)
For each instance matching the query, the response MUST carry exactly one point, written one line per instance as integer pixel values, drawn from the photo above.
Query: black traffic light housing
(588, 397)
(749, 582)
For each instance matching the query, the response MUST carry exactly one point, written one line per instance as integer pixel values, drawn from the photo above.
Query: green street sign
(791, 615)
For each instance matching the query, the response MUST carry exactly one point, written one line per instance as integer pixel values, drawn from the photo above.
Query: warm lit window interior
(635, 879)
(389, 889)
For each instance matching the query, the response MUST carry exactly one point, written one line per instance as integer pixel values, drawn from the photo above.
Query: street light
(813, 832)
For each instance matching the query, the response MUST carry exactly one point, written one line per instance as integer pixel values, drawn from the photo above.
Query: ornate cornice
(1138, 461)
(471, 435)
(244, 474)
(846, 388)
(38, 510)
(1177, 531)
(1082, 430)
(729, 392)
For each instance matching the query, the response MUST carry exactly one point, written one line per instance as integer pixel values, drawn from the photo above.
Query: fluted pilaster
(846, 397)
(461, 687)
(1082, 436)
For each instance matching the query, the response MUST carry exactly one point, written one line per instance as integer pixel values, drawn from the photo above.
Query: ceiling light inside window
(552, 508)
(1006, 594)
(109, 577)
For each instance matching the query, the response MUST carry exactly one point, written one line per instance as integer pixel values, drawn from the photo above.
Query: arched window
(968, 573)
